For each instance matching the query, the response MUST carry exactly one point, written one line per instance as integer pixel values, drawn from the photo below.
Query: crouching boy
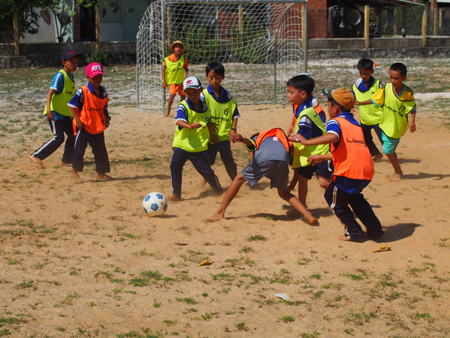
(353, 167)
(270, 151)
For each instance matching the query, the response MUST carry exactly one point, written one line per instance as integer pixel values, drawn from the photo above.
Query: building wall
(317, 19)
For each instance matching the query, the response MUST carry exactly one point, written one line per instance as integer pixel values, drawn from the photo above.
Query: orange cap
(343, 96)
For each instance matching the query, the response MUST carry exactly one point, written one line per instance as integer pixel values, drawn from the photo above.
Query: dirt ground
(83, 260)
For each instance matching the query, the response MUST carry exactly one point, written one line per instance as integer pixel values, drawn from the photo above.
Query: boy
(191, 139)
(58, 113)
(310, 125)
(270, 158)
(353, 167)
(174, 71)
(396, 101)
(89, 107)
(225, 114)
(370, 115)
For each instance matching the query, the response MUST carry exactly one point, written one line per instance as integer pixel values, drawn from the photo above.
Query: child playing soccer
(370, 115)
(396, 101)
(225, 114)
(353, 167)
(191, 139)
(270, 158)
(58, 113)
(174, 71)
(89, 107)
(310, 125)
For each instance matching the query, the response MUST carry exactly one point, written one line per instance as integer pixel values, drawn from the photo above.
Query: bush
(98, 56)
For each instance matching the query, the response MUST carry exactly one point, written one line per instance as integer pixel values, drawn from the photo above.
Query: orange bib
(276, 132)
(92, 115)
(352, 158)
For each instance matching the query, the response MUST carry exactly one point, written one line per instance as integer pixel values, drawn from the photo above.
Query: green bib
(221, 114)
(174, 71)
(394, 121)
(193, 140)
(301, 152)
(370, 115)
(59, 102)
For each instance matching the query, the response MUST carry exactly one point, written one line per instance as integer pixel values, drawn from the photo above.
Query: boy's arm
(186, 69)
(412, 123)
(76, 116)
(50, 94)
(234, 136)
(107, 117)
(314, 159)
(163, 74)
(292, 126)
(212, 127)
(363, 103)
(183, 124)
(325, 139)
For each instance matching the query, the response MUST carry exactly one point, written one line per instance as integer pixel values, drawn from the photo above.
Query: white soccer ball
(154, 204)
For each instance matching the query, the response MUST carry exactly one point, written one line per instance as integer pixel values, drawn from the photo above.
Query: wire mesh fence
(258, 42)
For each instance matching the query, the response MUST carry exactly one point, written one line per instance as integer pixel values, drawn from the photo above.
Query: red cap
(94, 69)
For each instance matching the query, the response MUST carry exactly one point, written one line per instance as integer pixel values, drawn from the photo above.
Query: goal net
(259, 42)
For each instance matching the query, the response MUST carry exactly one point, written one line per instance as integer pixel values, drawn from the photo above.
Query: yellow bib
(394, 121)
(370, 115)
(301, 152)
(59, 102)
(193, 140)
(221, 114)
(174, 71)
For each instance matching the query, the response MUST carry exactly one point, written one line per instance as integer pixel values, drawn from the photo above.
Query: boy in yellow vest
(309, 124)
(270, 151)
(225, 114)
(58, 113)
(191, 139)
(174, 71)
(397, 101)
(89, 107)
(370, 115)
(353, 167)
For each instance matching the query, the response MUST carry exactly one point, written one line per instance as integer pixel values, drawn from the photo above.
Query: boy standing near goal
(58, 114)
(191, 139)
(225, 114)
(174, 71)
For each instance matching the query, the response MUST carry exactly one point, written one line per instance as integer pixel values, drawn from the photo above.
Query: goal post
(262, 43)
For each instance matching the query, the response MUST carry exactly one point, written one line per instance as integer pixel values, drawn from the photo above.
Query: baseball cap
(67, 54)
(191, 82)
(94, 69)
(343, 96)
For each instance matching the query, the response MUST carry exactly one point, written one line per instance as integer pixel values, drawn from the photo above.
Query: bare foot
(76, 177)
(173, 198)
(103, 177)
(63, 164)
(216, 217)
(396, 177)
(311, 219)
(202, 183)
(36, 160)
(167, 114)
(345, 238)
(377, 158)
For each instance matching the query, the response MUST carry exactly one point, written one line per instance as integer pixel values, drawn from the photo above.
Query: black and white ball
(154, 204)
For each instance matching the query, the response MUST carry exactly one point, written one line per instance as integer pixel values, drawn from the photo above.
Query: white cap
(191, 82)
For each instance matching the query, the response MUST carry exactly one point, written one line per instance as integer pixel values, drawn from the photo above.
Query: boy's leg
(169, 103)
(302, 188)
(70, 141)
(212, 153)
(297, 204)
(179, 158)
(81, 141)
(49, 147)
(367, 131)
(294, 181)
(389, 147)
(364, 211)
(338, 201)
(201, 164)
(101, 158)
(229, 196)
(227, 157)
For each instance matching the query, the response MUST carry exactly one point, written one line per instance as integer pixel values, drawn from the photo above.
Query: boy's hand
(78, 124)
(357, 103)
(164, 85)
(212, 127)
(297, 138)
(412, 126)
(291, 129)
(213, 138)
(195, 125)
(234, 137)
(314, 159)
(50, 115)
(107, 119)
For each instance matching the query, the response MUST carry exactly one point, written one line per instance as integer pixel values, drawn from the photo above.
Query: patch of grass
(315, 334)
(358, 317)
(256, 238)
(190, 301)
(241, 326)
(287, 319)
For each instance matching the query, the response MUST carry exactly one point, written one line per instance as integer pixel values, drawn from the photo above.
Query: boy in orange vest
(174, 71)
(89, 107)
(353, 167)
(270, 151)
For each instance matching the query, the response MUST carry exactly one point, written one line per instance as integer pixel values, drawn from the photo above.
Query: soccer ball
(154, 204)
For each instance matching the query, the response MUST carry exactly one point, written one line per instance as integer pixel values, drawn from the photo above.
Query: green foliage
(98, 56)
(199, 47)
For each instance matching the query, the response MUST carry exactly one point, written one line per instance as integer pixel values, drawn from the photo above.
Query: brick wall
(317, 19)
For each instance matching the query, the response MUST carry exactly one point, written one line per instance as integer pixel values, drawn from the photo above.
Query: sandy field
(83, 260)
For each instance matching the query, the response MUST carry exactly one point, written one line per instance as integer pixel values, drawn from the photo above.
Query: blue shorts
(389, 144)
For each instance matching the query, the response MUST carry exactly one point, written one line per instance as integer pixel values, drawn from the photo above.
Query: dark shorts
(324, 169)
(276, 171)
